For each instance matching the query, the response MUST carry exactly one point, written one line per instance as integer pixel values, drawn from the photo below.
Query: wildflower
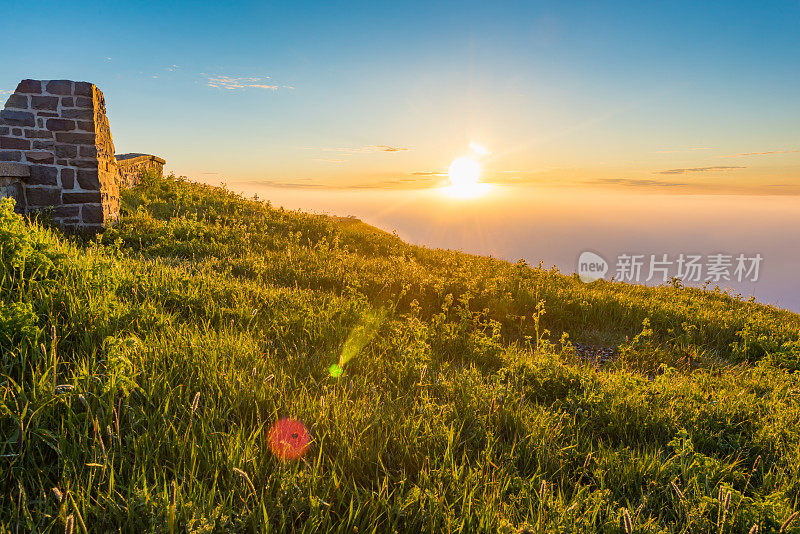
(627, 524)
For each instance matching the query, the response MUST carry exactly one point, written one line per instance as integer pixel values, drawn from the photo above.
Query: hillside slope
(142, 370)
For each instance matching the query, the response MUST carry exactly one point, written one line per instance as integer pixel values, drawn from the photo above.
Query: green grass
(462, 406)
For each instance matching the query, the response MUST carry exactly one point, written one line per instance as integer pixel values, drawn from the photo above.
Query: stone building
(57, 154)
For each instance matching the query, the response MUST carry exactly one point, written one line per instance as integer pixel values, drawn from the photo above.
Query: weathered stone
(67, 178)
(47, 114)
(75, 138)
(39, 157)
(86, 126)
(82, 114)
(17, 101)
(43, 175)
(67, 101)
(59, 87)
(16, 170)
(84, 102)
(38, 134)
(81, 198)
(62, 162)
(92, 213)
(43, 196)
(14, 143)
(44, 102)
(29, 86)
(66, 151)
(5, 130)
(16, 131)
(39, 123)
(63, 212)
(16, 118)
(87, 151)
(61, 125)
(84, 163)
(10, 155)
(83, 89)
(43, 144)
(88, 179)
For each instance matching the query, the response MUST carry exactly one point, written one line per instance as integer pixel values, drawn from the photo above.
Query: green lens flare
(362, 334)
(335, 371)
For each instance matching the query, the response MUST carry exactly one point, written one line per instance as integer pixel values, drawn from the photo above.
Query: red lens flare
(289, 439)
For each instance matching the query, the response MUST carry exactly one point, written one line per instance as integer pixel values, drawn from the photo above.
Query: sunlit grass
(142, 372)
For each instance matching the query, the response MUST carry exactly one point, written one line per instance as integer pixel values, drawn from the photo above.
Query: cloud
(427, 173)
(330, 160)
(232, 83)
(768, 153)
(639, 182)
(173, 68)
(367, 149)
(700, 169)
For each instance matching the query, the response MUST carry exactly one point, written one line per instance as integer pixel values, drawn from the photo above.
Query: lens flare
(362, 334)
(289, 439)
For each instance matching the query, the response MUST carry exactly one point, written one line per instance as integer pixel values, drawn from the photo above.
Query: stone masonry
(131, 166)
(60, 131)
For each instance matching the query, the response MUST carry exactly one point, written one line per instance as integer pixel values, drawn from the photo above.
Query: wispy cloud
(330, 160)
(700, 169)
(427, 173)
(367, 149)
(767, 153)
(248, 82)
(638, 182)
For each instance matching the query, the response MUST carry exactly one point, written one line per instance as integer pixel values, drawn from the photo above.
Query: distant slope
(142, 370)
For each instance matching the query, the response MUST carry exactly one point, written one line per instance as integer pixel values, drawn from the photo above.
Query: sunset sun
(465, 179)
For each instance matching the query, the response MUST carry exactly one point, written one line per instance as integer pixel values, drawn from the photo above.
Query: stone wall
(131, 166)
(12, 183)
(60, 129)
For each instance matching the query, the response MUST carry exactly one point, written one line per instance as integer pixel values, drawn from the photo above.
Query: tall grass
(141, 372)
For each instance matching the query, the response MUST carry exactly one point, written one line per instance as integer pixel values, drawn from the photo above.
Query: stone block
(67, 178)
(43, 175)
(39, 157)
(17, 118)
(75, 138)
(84, 102)
(88, 179)
(88, 151)
(92, 213)
(84, 89)
(46, 144)
(17, 101)
(59, 87)
(67, 101)
(43, 196)
(63, 212)
(66, 151)
(16, 132)
(29, 86)
(38, 134)
(81, 198)
(82, 114)
(14, 143)
(85, 126)
(44, 102)
(60, 125)
(10, 155)
(84, 163)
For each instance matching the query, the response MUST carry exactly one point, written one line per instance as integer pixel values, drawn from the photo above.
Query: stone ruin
(57, 154)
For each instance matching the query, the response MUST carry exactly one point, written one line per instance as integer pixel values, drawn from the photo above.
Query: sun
(465, 179)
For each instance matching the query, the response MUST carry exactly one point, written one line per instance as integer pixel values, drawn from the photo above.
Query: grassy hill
(142, 370)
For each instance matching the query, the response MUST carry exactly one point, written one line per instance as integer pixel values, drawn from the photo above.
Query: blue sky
(306, 92)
